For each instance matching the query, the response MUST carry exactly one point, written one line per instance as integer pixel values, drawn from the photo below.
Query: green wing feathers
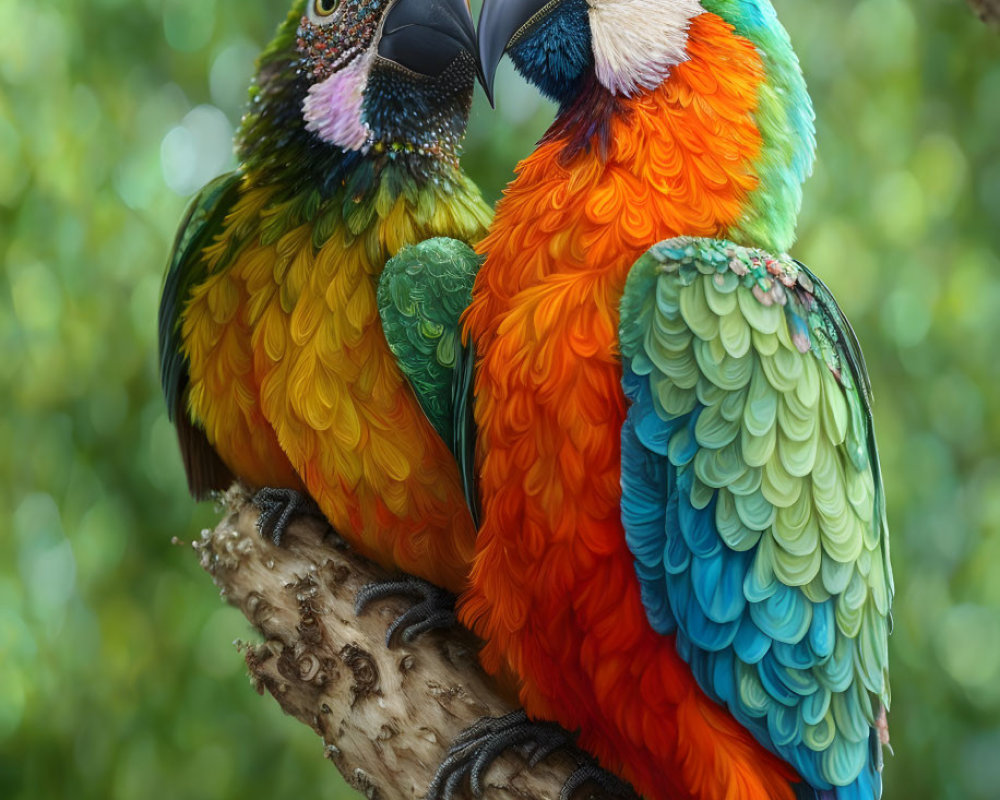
(185, 269)
(422, 293)
(752, 499)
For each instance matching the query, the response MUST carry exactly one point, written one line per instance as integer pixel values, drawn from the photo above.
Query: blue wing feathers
(750, 644)
(779, 656)
(697, 526)
(644, 507)
(760, 583)
(784, 616)
(718, 584)
(677, 554)
(798, 656)
(770, 676)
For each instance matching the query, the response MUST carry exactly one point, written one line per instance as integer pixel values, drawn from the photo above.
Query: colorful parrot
(683, 548)
(289, 358)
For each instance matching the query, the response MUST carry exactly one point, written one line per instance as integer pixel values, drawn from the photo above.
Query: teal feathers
(752, 500)
(785, 118)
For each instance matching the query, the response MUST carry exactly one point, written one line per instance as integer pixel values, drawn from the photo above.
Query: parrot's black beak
(425, 36)
(501, 22)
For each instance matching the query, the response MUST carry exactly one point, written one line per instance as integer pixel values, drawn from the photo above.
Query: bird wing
(422, 293)
(752, 500)
(186, 268)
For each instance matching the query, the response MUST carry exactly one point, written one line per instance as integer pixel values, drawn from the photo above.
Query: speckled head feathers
(347, 79)
(340, 43)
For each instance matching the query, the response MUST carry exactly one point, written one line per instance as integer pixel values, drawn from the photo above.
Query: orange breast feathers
(294, 383)
(553, 588)
(680, 160)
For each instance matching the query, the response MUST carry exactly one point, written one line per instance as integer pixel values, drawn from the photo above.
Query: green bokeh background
(117, 674)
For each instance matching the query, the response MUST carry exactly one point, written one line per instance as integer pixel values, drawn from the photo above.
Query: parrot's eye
(324, 8)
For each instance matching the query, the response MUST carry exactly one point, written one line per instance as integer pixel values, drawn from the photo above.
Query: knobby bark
(987, 10)
(386, 716)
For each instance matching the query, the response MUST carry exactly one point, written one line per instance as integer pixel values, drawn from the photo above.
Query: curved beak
(501, 22)
(425, 36)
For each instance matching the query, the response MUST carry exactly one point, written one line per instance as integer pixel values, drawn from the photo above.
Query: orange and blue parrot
(291, 356)
(683, 552)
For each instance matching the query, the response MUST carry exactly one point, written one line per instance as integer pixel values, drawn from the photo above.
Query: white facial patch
(332, 109)
(636, 42)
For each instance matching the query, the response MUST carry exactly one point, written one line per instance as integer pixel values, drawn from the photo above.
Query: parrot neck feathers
(621, 79)
(558, 52)
(784, 115)
(419, 120)
(586, 122)
(375, 107)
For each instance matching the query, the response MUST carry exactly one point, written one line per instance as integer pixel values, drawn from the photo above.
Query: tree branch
(386, 717)
(987, 10)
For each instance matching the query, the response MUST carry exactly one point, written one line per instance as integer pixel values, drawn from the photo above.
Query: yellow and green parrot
(291, 357)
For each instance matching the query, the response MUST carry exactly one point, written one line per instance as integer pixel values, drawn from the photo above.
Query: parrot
(682, 552)
(308, 323)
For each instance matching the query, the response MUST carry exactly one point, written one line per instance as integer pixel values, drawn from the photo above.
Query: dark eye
(324, 8)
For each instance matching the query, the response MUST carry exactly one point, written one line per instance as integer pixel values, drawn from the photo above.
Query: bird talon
(278, 507)
(476, 748)
(590, 772)
(435, 608)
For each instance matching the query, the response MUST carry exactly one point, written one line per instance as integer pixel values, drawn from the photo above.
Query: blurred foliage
(117, 676)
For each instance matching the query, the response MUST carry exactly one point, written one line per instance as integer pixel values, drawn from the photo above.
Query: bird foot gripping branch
(278, 507)
(434, 608)
(385, 717)
(479, 746)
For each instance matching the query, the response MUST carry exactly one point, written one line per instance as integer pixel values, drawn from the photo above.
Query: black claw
(451, 786)
(278, 507)
(478, 746)
(590, 772)
(435, 608)
(482, 762)
(544, 749)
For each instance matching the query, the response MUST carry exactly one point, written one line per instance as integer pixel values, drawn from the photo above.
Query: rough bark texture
(987, 10)
(386, 717)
